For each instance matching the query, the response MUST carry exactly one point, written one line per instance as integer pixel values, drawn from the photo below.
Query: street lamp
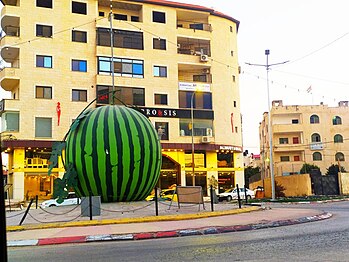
(192, 135)
(271, 163)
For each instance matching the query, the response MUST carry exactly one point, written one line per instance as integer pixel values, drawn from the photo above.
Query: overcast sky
(312, 34)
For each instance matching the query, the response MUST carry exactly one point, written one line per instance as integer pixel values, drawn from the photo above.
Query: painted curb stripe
(21, 243)
(166, 234)
(61, 240)
(122, 237)
(99, 238)
(143, 236)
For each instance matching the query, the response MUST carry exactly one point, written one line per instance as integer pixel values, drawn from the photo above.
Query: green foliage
(306, 168)
(279, 190)
(61, 186)
(78, 119)
(333, 170)
(249, 172)
(57, 149)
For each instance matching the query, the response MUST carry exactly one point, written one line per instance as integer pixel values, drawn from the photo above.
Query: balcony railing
(12, 31)
(194, 25)
(35, 163)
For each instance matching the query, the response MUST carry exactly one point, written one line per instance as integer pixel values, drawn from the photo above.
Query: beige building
(316, 134)
(172, 60)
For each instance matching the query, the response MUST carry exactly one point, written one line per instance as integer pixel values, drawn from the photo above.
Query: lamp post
(271, 163)
(192, 135)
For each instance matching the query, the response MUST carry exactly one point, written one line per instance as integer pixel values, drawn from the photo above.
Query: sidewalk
(143, 224)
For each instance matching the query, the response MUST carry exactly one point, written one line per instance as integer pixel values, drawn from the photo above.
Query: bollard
(156, 201)
(36, 201)
(212, 196)
(238, 191)
(26, 212)
(245, 194)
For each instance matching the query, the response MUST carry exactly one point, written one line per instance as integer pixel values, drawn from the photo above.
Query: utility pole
(271, 162)
(112, 50)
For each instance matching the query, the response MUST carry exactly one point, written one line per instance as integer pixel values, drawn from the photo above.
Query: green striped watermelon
(116, 153)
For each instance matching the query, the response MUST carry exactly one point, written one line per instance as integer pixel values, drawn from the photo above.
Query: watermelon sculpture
(115, 152)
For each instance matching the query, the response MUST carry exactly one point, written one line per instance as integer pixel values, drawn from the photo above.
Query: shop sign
(159, 112)
(188, 86)
(231, 148)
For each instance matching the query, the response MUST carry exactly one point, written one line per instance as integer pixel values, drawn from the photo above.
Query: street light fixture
(271, 163)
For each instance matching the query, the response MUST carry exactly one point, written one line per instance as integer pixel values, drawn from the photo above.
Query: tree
(306, 168)
(333, 170)
(249, 172)
(279, 190)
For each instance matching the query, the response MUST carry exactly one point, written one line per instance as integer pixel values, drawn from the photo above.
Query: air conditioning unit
(205, 139)
(204, 58)
(206, 70)
(209, 132)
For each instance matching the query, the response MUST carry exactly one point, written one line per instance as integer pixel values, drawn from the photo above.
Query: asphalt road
(326, 240)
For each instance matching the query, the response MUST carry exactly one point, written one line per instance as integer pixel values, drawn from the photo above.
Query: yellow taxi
(165, 195)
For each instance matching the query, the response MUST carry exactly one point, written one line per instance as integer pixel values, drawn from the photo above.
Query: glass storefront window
(226, 180)
(200, 180)
(201, 127)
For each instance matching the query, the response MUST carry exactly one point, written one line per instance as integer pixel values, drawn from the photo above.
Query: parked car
(165, 195)
(231, 194)
(72, 199)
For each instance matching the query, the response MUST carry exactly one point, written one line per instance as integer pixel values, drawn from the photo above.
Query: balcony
(9, 78)
(35, 163)
(193, 23)
(9, 104)
(191, 46)
(11, 2)
(288, 128)
(10, 25)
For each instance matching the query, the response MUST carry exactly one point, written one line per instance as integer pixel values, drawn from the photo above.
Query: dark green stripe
(130, 157)
(108, 170)
(119, 146)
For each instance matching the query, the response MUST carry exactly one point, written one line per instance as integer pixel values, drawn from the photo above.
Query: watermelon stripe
(142, 160)
(149, 148)
(113, 152)
(101, 162)
(80, 162)
(86, 159)
(137, 139)
(107, 150)
(130, 156)
(119, 162)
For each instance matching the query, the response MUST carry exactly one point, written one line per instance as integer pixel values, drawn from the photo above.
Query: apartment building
(176, 62)
(314, 134)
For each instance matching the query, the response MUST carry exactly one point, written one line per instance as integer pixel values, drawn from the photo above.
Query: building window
(236, 129)
(44, 30)
(44, 3)
(202, 78)
(295, 140)
(100, 13)
(232, 53)
(337, 120)
(283, 140)
(79, 8)
(128, 95)
(284, 158)
(295, 121)
(43, 92)
(315, 138)
(162, 130)
(317, 156)
(339, 157)
(234, 103)
(234, 78)
(201, 127)
(201, 100)
(231, 29)
(159, 17)
(120, 17)
(296, 158)
(159, 43)
(44, 61)
(122, 38)
(122, 67)
(79, 36)
(79, 65)
(135, 18)
(314, 119)
(43, 127)
(79, 95)
(338, 138)
(160, 71)
(11, 121)
(160, 99)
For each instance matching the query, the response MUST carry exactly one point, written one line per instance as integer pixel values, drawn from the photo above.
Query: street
(326, 240)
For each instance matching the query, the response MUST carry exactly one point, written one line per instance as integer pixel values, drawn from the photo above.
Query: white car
(71, 199)
(232, 194)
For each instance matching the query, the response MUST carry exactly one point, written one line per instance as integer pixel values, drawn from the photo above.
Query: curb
(165, 234)
(133, 220)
